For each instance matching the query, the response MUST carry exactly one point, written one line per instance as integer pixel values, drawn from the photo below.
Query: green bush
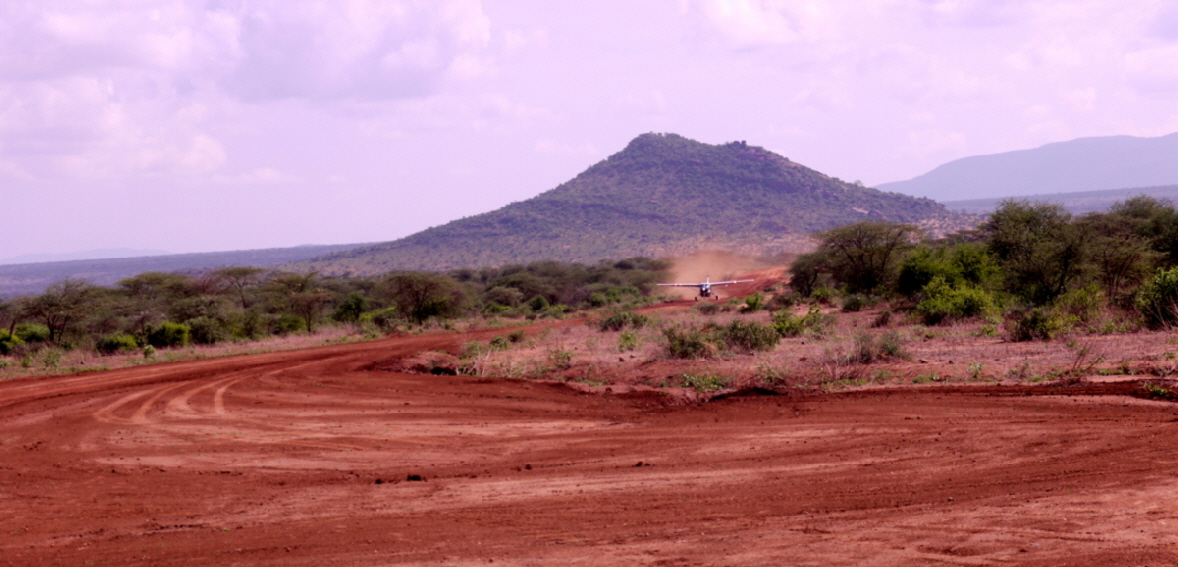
(627, 341)
(622, 320)
(748, 336)
(1158, 299)
(704, 382)
(538, 303)
(32, 333)
(384, 319)
(560, 359)
(52, 358)
(1032, 324)
(207, 331)
(943, 302)
(1083, 304)
(854, 302)
(168, 334)
(117, 343)
(823, 295)
(474, 348)
(557, 311)
(614, 295)
(8, 343)
(752, 303)
(813, 323)
(691, 344)
(960, 263)
(286, 324)
(350, 309)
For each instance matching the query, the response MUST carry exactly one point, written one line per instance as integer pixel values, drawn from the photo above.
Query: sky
(209, 125)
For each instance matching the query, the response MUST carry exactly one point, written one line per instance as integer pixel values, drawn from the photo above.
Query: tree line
(158, 309)
(1033, 263)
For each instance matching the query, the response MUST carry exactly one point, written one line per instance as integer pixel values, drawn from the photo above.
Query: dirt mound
(314, 458)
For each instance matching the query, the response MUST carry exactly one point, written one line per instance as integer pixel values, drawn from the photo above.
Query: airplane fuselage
(705, 288)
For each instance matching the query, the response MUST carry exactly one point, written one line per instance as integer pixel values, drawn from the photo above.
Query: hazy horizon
(195, 126)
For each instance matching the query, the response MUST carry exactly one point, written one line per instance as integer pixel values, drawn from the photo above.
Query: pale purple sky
(234, 124)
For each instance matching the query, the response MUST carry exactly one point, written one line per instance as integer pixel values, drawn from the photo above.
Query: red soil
(303, 458)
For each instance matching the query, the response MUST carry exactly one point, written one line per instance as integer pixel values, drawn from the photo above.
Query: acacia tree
(1121, 257)
(806, 273)
(7, 314)
(240, 279)
(1041, 251)
(300, 295)
(1155, 220)
(63, 304)
(150, 296)
(423, 295)
(864, 256)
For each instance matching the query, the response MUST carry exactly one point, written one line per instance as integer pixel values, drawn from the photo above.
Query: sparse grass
(80, 360)
(869, 348)
(688, 343)
(771, 375)
(627, 341)
(704, 382)
(623, 320)
(842, 357)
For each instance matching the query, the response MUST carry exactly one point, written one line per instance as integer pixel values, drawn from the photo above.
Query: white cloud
(1155, 70)
(262, 175)
(361, 49)
(747, 23)
(515, 41)
(644, 102)
(933, 142)
(128, 87)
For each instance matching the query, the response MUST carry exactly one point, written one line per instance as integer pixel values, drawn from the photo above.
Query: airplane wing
(731, 282)
(681, 284)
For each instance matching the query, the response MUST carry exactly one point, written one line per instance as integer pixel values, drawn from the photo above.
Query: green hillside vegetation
(662, 195)
(1031, 271)
(1031, 265)
(156, 310)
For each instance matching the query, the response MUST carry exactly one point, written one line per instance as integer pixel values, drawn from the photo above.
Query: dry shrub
(869, 348)
(688, 343)
(748, 336)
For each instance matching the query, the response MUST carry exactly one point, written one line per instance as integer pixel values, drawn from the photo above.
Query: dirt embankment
(313, 458)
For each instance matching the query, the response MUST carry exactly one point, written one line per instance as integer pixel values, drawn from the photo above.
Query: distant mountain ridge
(101, 254)
(662, 195)
(23, 279)
(1084, 164)
(1075, 203)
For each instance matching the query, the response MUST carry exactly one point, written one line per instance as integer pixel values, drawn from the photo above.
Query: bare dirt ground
(312, 457)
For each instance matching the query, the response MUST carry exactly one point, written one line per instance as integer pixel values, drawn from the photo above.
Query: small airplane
(705, 288)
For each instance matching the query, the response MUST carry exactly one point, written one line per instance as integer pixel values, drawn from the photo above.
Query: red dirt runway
(303, 458)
